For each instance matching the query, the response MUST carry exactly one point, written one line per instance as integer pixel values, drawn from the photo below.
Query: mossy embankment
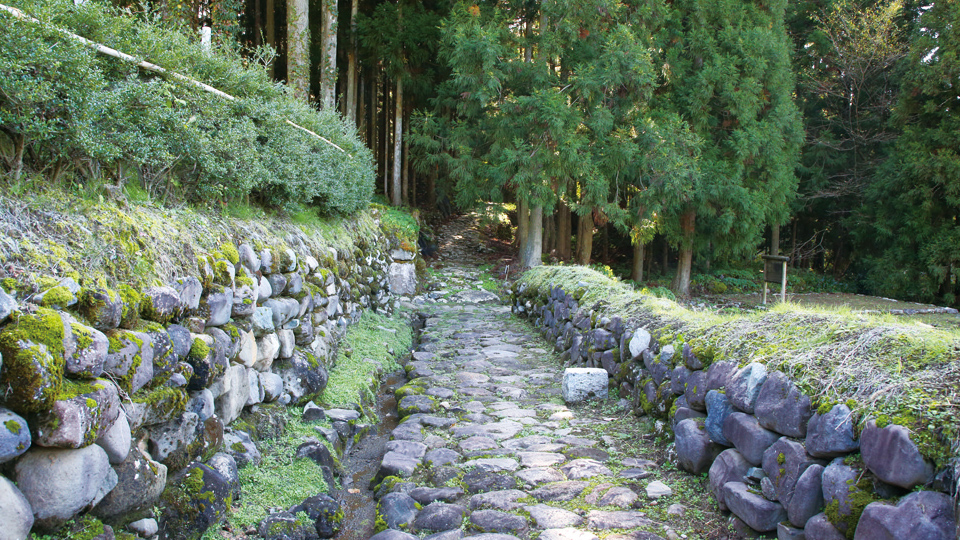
(56, 233)
(888, 368)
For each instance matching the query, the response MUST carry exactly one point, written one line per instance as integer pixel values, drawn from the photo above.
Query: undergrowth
(281, 480)
(363, 354)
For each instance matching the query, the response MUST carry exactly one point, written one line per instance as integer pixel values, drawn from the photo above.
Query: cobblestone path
(486, 448)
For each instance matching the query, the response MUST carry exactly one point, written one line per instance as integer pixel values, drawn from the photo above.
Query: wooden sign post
(775, 271)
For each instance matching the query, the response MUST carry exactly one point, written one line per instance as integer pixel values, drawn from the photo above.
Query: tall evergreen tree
(914, 210)
(727, 74)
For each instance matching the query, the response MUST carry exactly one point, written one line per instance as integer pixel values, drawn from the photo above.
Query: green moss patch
(369, 340)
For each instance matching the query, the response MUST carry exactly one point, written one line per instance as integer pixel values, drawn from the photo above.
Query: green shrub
(67, 112)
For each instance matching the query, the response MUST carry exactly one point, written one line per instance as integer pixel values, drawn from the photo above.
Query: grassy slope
(906, 371)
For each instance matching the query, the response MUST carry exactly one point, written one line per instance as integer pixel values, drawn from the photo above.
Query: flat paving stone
(540, 459)
(539, 475)
(548, 517)
(585, 468)
(621, 519)
(500, 500)
(493, 464)
(560, 491)
(567, 533)
(496, 521)
(477, 443)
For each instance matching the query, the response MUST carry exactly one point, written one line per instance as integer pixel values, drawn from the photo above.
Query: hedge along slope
(899, 372)
(68, 113)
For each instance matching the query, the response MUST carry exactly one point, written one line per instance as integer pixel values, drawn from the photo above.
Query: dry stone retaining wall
(109, 397)
(774, 462)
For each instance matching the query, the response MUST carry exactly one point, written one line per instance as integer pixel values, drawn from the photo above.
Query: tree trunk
(270, 14)
(681, 283)
(298, 48)
(374, 121)
(585, 238)
(638, 253)
(406, 170)
(774, 239)
(564, 231)
(352, 65)
(398, 145)
(328, 62)
(523, 225)
(550, 233)
(532, 250)
(665, 266)
(385, 156)
(793, 248)
(605, 243)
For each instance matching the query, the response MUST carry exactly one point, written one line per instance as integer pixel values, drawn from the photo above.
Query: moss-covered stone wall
(121, 382)
(759, 402)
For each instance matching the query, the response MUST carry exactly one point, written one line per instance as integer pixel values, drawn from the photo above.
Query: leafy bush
(67, 111)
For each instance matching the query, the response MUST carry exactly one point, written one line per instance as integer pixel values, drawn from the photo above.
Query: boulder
(272, 386)
(719, 374)
(844, 494)
(226, 465)
(696, 391)
(745, 384)
(129, 359)
(784, 462)
(102, 308)
(402, 278)
(695, 450)
(176, 442)
(326, 514)
(189, 289)
(7, 305)
(890, 454)
(85, 350)
(79, 419)
(439, 517)
(831, 434)
(195, 500)
(217, 306)
(262, 321)
(745, 433)
(807, 499)
(303, 377)
(246, 349)
(234, 395)
(140, 481)
(268, 350)
(819, 528)
(160, 304)
(924, 514)
(639, 342)
(718, 409)
(116, 441)
(31, 346)
(14, 435)
(255, 386)
(781, 407)
(729, 466)
(398, 510)
(15, 512)
(759, 513)
(239, 445)
(59, 484)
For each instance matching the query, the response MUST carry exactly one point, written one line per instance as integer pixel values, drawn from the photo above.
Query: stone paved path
(487, 449)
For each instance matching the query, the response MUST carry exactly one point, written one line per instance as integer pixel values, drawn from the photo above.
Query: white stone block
(580, 384)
